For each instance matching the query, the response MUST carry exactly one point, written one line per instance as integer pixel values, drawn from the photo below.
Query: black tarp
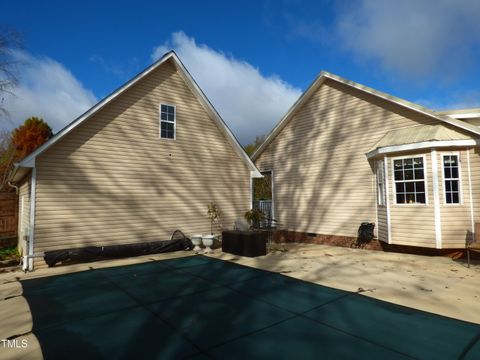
(91, 253)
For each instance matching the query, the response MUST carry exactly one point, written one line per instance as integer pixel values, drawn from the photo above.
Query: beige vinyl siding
(456, 219)
(112, 180)
(23, 214)
(413, 224)
(323, 182)
(382, 224)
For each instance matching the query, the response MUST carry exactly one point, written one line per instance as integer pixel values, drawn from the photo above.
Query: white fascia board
(420, 145)
(465, 116)
(29, 161)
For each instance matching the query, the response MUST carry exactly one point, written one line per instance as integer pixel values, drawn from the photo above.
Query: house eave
(29, 161)
(420, 146)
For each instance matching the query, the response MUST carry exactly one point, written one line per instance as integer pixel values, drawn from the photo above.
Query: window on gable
(409, 181)
(451, 179)
(167, 121)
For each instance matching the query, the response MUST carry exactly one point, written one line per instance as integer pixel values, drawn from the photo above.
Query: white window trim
(425, 178)
(460, 192)
(160, 122)
(381, 200)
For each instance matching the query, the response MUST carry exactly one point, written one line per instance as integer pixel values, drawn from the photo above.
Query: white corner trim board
(436, 200)
(387, 202)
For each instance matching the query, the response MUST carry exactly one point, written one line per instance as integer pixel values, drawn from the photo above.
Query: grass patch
(9, 252)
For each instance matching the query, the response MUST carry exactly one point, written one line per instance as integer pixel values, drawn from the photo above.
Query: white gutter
(464, 116)
(420, 145)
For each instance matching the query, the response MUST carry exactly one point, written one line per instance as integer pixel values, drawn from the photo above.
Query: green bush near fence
(9, 252)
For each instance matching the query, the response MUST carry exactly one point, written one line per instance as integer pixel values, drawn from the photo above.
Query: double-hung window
(167, 121)
(381, 183)
(409, 177)
(451, 179)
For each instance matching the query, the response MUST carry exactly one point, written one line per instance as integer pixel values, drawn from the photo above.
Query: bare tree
(9, 41)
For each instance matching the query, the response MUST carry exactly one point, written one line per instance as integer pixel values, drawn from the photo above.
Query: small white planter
(208, 243)
(197, 241)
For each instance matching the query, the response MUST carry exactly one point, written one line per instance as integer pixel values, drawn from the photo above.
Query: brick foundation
(286, 236)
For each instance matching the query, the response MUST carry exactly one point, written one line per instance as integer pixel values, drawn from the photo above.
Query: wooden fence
(8, 215)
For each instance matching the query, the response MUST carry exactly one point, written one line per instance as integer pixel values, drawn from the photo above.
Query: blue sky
(252, 58)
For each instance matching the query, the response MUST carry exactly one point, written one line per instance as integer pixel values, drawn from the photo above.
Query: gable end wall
(113, 181)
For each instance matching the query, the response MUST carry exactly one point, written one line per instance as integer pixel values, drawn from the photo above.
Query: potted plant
(214, 214)
(254, 217)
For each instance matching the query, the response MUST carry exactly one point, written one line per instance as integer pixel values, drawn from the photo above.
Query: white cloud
(48, 90)
(249, 102)
(456, 100)
(414, 37)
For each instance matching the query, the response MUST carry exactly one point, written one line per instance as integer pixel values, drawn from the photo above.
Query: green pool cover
(200, 308)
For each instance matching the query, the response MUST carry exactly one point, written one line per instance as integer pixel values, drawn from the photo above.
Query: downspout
(28, 260)
(13, 186)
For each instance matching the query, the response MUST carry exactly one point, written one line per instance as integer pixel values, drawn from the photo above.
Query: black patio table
(244, 243)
